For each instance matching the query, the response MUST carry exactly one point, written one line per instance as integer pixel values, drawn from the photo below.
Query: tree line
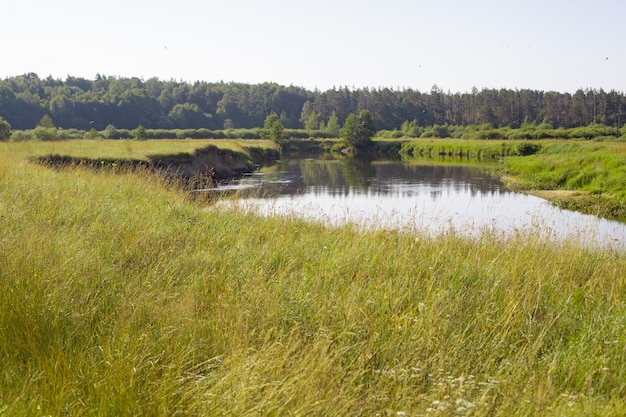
(126, 103)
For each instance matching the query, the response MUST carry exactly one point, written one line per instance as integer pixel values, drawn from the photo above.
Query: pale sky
(556, 45)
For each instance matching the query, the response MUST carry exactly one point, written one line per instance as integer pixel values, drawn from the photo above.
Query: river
(426, 197)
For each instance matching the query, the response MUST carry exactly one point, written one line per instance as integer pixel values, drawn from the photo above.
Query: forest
(125, 103)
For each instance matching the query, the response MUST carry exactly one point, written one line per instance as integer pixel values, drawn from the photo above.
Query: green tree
(140, 133)
(348, 131)
(188, 116)
(46, 122)
(45, 129)
(333, 125)
(5, 129)
(229, 124)
(111, 132)
(411, 129)
(313, 122)
(273, 129)
(307, 109)
(358, 130)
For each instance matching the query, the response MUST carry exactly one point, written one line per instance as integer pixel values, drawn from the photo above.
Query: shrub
(528, 148)
(45, 133)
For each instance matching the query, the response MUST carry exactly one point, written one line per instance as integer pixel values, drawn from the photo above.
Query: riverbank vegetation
(582, 175)
(586, 176)
(119, 295)
(409, 130)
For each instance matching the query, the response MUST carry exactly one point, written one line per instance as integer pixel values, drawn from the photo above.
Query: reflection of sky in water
(436, 206)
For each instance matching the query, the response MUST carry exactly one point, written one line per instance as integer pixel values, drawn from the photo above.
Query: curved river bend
(429, 198)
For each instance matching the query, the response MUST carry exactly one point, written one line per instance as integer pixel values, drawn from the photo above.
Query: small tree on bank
(358, 130)
(332, 126)
(273, 129)
(140, 133)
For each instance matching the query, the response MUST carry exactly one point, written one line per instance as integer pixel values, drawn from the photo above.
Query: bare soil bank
(204, 165)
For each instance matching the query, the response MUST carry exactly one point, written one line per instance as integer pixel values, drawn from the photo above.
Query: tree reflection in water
(428, 196)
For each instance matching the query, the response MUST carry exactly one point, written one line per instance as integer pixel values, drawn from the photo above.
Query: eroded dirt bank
(204, 165)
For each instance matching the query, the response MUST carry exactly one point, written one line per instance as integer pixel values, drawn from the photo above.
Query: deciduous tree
(5, 129)
(358, 130)
(333, 125)
(140, 133)
(273, 129)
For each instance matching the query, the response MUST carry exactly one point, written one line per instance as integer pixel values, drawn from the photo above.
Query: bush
(488, 134)
(437, 131)
(45, 133)
(161, 134)
(527, 148)
(21, 135)
(391, 134)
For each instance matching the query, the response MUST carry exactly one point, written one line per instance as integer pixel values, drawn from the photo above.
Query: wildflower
(462, 403)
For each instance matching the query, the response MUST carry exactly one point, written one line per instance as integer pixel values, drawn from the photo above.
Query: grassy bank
(470, 149)
(579, 175)
(131, 149)
(119, 296)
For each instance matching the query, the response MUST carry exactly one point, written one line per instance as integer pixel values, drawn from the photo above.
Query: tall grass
(575, 166)
(596, 171)
(474, 149)
(120, 296)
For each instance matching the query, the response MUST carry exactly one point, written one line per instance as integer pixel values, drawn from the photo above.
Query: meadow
(119, 295)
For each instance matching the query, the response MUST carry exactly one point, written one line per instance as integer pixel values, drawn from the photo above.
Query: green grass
(131, 149)
(472, 149)
(594, 173)
(120, 296)
(594, 167)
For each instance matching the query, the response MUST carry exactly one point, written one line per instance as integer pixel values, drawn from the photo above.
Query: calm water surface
(430, 198)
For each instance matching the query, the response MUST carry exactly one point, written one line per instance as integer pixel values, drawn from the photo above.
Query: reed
(119, 295)
(471, 149)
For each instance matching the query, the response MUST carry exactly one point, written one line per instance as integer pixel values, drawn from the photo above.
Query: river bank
(203, 164)
(578, 175)
(583, 176)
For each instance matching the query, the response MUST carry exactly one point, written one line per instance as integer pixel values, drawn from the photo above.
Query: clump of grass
(118, 295)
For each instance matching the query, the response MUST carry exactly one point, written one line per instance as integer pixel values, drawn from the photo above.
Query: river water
(426, 197)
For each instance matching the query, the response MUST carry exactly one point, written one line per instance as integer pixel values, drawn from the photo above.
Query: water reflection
(434, 198)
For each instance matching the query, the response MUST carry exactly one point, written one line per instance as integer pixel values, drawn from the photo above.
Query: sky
(549, 45)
